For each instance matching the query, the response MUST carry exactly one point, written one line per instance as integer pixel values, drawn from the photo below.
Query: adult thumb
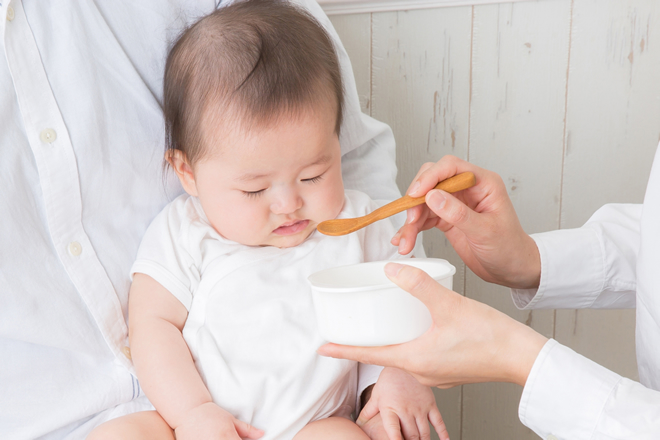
(419, 284)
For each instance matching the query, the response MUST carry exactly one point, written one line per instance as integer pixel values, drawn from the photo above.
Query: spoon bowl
(347, 225)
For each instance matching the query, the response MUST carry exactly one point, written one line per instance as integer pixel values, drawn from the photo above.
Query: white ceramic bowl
(359, 305)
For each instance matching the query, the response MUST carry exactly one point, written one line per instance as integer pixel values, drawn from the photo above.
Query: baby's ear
(179, 163)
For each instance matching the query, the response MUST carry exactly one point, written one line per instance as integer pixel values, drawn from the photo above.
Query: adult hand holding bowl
(467, 341)
(359, 305)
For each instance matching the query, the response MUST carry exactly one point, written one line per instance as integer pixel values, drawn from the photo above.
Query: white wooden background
(561, 98)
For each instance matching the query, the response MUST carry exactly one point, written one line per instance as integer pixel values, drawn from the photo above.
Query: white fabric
(251, 326)
(91, 71)
(612, 261)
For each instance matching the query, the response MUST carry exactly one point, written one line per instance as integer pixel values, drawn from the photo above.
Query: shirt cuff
(565, 393)
(572, 271)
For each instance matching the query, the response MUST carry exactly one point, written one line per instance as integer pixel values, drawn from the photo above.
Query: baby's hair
(244, 66)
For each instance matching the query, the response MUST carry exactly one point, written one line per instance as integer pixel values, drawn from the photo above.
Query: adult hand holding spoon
(347, 225)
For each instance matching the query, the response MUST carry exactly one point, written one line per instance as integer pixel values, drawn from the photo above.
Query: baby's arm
(166, 369)
(405, 408)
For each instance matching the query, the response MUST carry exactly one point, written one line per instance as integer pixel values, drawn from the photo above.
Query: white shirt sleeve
(588, 267)
(572, 397)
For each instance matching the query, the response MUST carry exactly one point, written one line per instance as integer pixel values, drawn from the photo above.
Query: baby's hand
(405, 408)
(209, 421)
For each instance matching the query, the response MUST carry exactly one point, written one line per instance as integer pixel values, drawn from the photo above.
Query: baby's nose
(287, 201)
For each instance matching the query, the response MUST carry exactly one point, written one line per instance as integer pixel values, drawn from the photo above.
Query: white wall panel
(355, 33)
(420, 87)
(613, 126)
(561, 98)
(517, 127)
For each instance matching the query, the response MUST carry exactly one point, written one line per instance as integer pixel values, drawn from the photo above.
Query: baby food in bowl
(359, 305)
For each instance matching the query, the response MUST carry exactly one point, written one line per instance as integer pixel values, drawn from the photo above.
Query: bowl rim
(380, 286)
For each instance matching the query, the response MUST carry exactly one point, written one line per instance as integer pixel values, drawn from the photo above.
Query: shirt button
(127, 352)
(10, 13)
(48, 136)
(551, 437)
(75, 249)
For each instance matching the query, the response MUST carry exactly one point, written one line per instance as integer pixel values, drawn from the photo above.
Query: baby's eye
(314, 179)
(251, 194)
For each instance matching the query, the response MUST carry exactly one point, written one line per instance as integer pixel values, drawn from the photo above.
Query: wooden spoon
(347, 225)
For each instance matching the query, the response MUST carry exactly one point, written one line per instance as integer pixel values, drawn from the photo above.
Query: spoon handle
(453, 184)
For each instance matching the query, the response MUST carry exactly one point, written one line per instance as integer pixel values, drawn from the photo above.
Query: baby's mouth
(291, 228)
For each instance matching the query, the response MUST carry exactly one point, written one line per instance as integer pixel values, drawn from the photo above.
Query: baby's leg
(332, 428)
(144, 425)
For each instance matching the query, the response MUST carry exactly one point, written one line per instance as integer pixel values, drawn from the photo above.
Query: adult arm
(592, 266)
(589, 267)
(572, 397)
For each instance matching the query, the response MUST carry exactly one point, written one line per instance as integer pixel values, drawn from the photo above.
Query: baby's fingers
(436, 420)
(409, 428)
(424, 429)
(245, 430)
(391, 425)
(368, 412)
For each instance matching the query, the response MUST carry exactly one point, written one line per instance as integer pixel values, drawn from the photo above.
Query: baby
(222, 328)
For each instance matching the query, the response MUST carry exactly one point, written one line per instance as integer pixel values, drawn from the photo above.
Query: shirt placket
(59, 178)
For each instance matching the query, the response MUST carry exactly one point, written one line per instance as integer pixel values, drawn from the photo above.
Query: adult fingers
(391, 425)
(413, 185)
(405, 239)
(440, 428)
(414, 213)
(453, 211)
(429, 176)
(419, 284)
(407, 236)
(368, 412)
(245, 430)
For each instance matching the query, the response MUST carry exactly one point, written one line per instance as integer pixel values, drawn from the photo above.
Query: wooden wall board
(604, 336)
(420, 87)
(613, 114)
(357, 42)
(355, 33)
(562, 98)
(333, 7)
(516, 130)
(613, 126)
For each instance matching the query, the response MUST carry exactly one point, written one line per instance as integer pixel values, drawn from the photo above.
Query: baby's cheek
(243, 227)
(329, 205)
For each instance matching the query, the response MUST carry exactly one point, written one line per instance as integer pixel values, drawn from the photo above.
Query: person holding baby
(82, 107)
(222, 329)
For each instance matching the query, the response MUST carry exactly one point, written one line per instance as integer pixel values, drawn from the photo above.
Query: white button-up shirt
(613, 261)
(80, 180)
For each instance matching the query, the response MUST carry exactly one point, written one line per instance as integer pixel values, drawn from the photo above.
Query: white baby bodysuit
(251, 326)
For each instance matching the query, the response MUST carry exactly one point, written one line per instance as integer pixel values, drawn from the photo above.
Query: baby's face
(273, 186)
